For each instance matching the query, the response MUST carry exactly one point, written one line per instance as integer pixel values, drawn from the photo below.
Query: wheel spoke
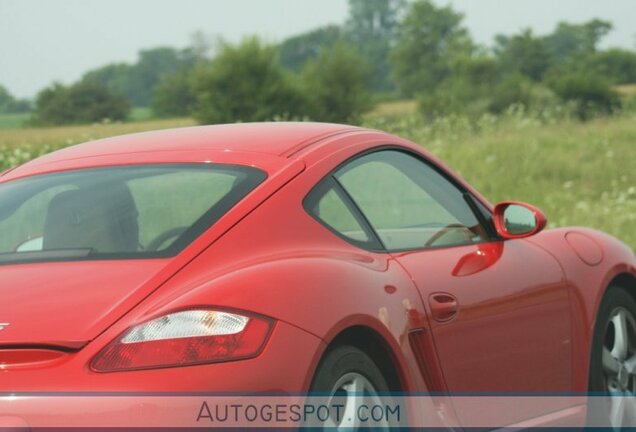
(630, 365)
(610, 364)
(619, 351)
(354, 399)
(358, 385)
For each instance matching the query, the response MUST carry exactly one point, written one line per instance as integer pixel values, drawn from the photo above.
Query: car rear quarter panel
(280, 262)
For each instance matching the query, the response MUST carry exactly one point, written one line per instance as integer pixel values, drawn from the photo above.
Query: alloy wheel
(619, 366)
(353, 391)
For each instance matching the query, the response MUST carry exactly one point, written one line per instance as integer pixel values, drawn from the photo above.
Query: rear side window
(131, 211)
(329, 204)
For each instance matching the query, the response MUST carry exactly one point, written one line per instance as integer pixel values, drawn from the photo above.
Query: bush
(334, 83)
(617, 65)
(84, 102)
(517, 90)
(590, 93)
(455, 95)
(467, 91)
(513, 90)
(245, 83)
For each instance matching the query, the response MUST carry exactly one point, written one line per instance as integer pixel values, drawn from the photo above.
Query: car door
(499, 310)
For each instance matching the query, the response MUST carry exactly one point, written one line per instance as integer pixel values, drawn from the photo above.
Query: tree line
(386, 49)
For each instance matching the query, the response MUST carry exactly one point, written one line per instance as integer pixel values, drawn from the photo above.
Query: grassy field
(14, 121)
(399, 107)
(627, 89)
(578, 173)
(9, 121)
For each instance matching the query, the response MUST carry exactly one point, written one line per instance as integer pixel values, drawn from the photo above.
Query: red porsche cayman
(300, 257)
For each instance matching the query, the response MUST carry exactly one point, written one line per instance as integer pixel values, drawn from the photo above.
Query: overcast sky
(42, 41)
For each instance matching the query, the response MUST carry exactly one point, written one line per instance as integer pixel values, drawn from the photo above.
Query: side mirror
(518, 220)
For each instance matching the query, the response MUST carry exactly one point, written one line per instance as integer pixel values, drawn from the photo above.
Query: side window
(408, 203)
(329, 204)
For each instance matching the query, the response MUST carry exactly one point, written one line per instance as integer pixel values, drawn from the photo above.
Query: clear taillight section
(185, 338)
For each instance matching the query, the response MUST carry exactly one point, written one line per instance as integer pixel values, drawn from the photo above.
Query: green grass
(578, 173)
(11, 121)
(140, 114)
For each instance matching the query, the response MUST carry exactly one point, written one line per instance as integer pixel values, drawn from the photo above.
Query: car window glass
(333, 211)
(408, 203)
(116, 212)
(191, 193)
(328, 203)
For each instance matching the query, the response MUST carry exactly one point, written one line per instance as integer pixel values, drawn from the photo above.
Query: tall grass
(20, 145)
(578, 173)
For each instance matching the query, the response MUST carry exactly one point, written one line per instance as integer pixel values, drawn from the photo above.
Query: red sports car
(299, 257)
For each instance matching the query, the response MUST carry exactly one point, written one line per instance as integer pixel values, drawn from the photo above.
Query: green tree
(523, 54)
(570, 40)
(173, 95)
(334, 83)
(6, 99)
(429, 40)
(83, 102)
(372, 28)
(117, 77)
(245, 82)
(151, 66)
(137, 81)
(10, 105)
(296, 50)
(467, 90)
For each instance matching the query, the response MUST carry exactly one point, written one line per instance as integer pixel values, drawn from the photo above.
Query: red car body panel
(70, 303)
(520, 302)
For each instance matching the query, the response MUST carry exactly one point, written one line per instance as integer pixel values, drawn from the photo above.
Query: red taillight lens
(185, 338)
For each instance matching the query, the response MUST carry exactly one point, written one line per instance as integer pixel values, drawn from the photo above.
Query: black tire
(338, 364)
(614, 299)
(342, 360)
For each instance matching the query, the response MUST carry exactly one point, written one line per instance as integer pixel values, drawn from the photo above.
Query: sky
(42, 41)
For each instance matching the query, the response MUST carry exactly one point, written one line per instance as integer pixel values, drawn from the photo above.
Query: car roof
(242, 142)
(276, 138)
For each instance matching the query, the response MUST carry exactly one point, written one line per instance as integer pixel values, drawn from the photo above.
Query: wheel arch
(375, 345)
(624, 280)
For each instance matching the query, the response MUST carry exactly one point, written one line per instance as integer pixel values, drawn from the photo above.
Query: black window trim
(484, 217)
(379, 246)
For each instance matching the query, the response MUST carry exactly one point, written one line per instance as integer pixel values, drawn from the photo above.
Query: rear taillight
(185, 338)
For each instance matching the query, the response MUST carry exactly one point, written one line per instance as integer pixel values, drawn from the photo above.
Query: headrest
(102, 218)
